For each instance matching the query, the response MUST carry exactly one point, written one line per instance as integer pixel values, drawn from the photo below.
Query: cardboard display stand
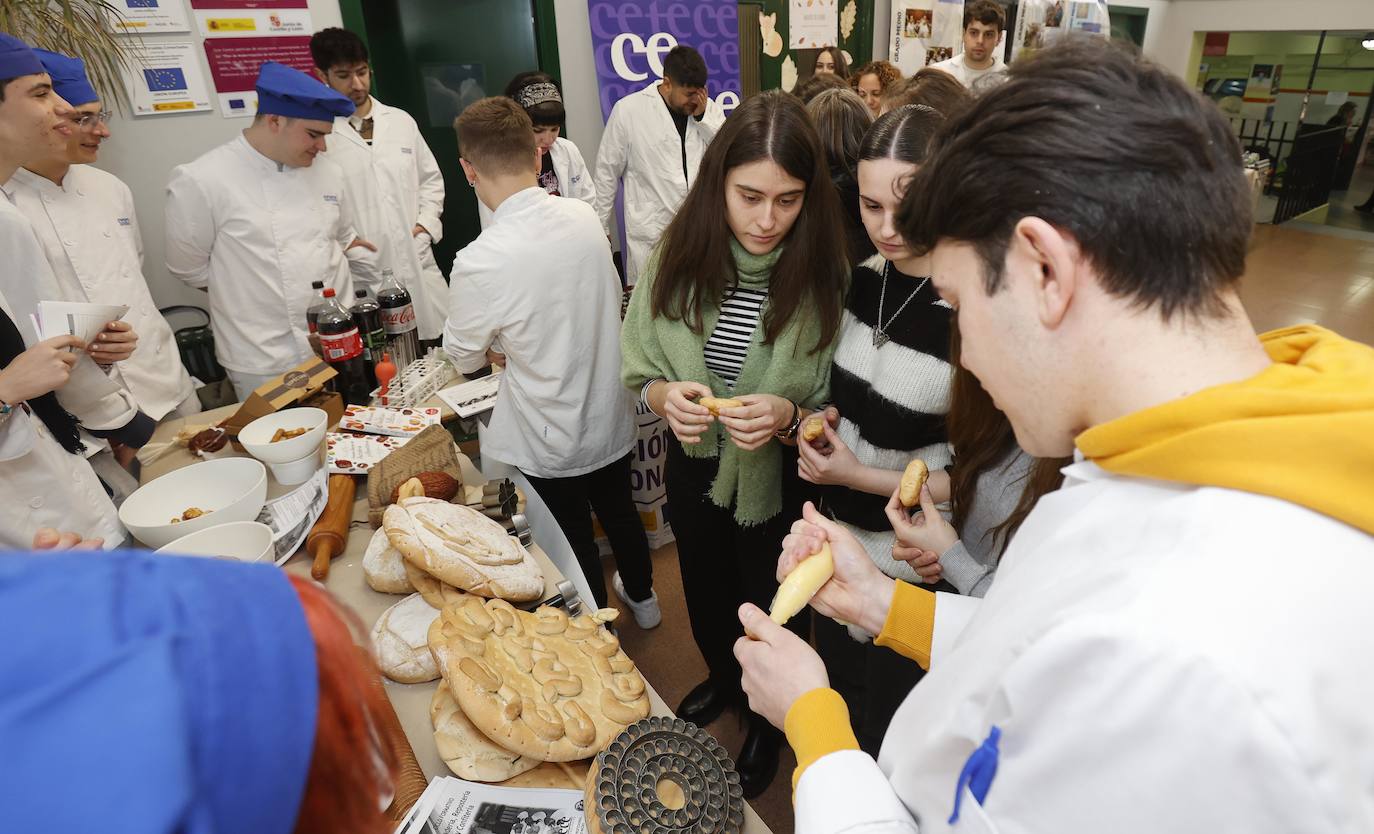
(303, 385)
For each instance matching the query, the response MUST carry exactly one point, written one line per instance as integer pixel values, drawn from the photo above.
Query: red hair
(352, 768)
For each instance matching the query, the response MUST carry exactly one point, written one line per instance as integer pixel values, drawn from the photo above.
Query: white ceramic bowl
(256, 437)
(242, 541)
(228, 489)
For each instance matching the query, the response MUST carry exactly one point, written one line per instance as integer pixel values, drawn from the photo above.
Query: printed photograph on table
(395, 422)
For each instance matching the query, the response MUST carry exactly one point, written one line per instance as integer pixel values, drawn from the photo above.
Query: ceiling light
(1368, 42)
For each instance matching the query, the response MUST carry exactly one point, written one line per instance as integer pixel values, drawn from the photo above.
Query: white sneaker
(647, 613)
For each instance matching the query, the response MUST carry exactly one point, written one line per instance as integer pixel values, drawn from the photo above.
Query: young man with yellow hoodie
(1179, 639)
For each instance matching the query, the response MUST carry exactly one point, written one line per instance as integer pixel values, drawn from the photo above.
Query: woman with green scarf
(741, 301)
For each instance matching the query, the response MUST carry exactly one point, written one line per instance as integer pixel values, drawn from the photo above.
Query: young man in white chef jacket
(85, 219)
(655, 139)
(1178, 640)
(256, 220)
(47, 386)
(562, 417)
(393, 174)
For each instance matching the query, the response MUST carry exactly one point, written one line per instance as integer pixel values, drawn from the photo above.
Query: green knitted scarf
(653, 348)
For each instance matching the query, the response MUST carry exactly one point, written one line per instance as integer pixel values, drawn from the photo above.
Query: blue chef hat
(68, 77)
(163, 693)
(283, 91)
(17, 58)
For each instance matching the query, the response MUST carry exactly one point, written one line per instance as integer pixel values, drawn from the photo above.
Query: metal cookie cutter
(664, 776)
(567, 598)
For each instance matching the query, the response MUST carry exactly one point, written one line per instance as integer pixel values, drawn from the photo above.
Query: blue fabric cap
(283, 91)
(152, 694)
(17, 58)
(68, 77)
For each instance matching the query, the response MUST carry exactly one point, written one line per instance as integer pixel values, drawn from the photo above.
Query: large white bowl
(256, 437)
(229, 489)
(243, 541)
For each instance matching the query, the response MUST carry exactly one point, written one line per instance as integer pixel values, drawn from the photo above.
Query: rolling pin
(329, 536)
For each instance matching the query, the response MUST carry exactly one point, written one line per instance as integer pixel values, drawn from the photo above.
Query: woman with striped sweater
(889, 393)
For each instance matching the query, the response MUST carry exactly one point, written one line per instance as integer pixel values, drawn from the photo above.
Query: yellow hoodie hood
(1301, 430)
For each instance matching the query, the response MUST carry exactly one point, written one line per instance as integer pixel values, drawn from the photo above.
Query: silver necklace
(880, 336)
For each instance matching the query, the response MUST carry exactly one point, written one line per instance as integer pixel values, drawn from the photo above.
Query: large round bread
(401, 640)
(468, 753)
(384, 567)
(541, 685)
(462, 547)
(436, 593)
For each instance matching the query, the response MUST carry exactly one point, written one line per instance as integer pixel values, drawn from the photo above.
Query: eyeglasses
(89, 120)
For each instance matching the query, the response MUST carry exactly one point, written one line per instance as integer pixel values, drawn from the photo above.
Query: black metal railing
(1272, 140)
(1309, 171)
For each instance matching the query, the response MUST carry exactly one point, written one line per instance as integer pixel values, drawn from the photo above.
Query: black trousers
(723, 564)
(607, 491)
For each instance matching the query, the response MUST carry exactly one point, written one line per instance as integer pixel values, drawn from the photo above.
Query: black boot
(705, 703)
(758, 758)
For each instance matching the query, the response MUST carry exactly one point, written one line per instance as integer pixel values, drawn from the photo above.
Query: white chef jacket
(1154, 665)
(255, 234)
(396, 183)
(90, 234)
(540, 279)
(641, 143)
(967, 75)
(43, 485)
(573, 178)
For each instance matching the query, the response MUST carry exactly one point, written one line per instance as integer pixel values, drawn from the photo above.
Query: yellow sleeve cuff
(910, 625)
(817, 725)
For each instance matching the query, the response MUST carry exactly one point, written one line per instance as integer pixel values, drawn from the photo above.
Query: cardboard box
(303, 385)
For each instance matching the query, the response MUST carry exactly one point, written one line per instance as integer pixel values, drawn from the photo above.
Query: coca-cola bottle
(342, 348)
(312, 314)
(367, 315)
(398, 321)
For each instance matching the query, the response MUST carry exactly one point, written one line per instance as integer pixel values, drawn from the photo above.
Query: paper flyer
(165, 77)
(292, 515)
(454, 806)
(1039, 23)
(356, 454)
(144, 17)
(235, 62)
(925, 32)
(812, 24)
(473, 397)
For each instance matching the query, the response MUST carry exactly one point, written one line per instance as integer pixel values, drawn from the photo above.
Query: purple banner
(630, 38)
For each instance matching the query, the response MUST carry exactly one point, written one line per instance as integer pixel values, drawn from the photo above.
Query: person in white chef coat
(50, 388)
(85, 219)
(256, 220)
(562, 171)
(655, 139)
(1136, 667)
(390, 170)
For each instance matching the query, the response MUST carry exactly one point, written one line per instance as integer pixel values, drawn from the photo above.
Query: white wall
(581, 97)
(143, 152)
(1171, 42)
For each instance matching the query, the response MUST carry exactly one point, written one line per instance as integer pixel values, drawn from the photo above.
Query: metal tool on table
(567, 598)
(329, 536)
(499, 500)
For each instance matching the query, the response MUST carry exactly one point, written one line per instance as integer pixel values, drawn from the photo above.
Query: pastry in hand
(715, 404)
(814, 428)
(912, 480)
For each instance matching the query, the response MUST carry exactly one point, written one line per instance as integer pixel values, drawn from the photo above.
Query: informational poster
(1039, 23)
(235, 62)
(925, 32)
(631, 37)
(150, 16)
(812, 24)
(252, 23)
(165, 77)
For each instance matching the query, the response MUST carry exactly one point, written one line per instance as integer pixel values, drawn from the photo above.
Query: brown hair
(931, 87)
(496, 136)
(352, 768)
(841, 119)
(986, 12)
(886, 73)
(1153, 194)
(817, 84)
(982, 438)
(695, 263)
(837, 54)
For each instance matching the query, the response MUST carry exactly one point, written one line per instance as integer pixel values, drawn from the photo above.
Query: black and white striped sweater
(892, 399)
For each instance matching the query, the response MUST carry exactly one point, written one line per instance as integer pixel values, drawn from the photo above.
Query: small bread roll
(714, 405)
(912, 480)
(813, 429)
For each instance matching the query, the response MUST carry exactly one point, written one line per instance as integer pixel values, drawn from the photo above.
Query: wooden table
(346, 581)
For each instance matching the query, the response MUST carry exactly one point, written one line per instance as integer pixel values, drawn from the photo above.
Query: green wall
(859, 44)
